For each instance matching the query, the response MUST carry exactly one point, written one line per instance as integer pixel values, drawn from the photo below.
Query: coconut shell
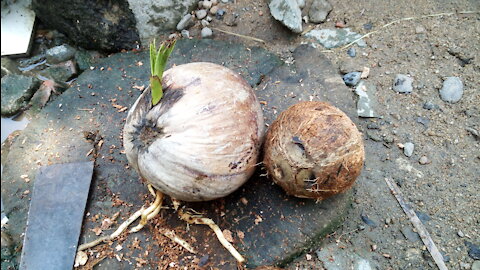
(313, 150)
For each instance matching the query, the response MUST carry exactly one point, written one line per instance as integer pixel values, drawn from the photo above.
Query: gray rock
(220, 13)
(464, 265)
(408, 149)
(60, 54)
(352, 78)
(288, 13)
(207, 4)
(332, 38)
(452, 90)
(424, 160)
(9, 66)
(154, 17)
(200, 14)
(206, 32)
(185, 33)
(213, 10)
(16, 92)
(184, 22)
(319, 11)
(430, 106)
(402, 84)
(96, 25)
(476, 265)
(352, 52)
(366, 99)
(204, 23)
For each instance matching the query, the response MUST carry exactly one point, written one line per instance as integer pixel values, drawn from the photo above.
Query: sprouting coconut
(313, 150)
(194, 135)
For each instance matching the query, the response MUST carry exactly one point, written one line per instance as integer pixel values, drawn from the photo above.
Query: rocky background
(414, 80)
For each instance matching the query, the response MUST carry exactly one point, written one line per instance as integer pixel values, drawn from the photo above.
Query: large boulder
(111, 25)
(102, 25)
(154, 17)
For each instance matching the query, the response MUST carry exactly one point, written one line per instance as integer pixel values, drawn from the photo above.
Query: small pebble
(184, 22)
(219, 14)
(200, 14)
(452, 90)
(185, 33)
(200, 4)
(424, 160)
(352, 78)
(352, 52)
(214, 10)
(207, 4)
(214, 2)
(402, 84)
(408, 149)
(373, 126)
(465, 265)
(429, 106)
(368, 221)
(225, 1)
(460, 234)
(476, 265)
(209, 19)
(206, 32)
(368, 26)
(419, 29)
(423, 120)
(205, 23)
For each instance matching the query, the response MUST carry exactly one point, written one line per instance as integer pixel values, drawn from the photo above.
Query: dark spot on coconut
(339, 169)
(234, 164)
(296, 140)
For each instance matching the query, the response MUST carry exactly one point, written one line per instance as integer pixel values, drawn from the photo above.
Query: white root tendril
(198, 219)
(146, 215)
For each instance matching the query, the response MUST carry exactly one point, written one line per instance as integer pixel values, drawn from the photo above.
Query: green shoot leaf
(155, 83)
(158, 61)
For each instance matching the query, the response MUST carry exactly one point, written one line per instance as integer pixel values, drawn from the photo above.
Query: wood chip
(228, 235)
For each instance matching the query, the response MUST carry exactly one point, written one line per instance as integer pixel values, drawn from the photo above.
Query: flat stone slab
(267, 226)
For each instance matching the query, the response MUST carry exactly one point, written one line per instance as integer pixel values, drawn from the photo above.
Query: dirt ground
(444, 192)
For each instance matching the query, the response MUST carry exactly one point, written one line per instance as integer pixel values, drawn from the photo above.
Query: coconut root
(146, 215)
(198, 219)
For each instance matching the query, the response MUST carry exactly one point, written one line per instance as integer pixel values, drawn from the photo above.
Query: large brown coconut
(313, 150)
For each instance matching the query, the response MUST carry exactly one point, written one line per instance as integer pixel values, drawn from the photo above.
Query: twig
(400, 20)
(191, 219)
(427, 240)
(239, 35)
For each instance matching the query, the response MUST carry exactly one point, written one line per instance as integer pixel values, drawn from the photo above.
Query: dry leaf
(258, 219)
(240, 234)
(139, 87)
(106, 223)
(228, 235)
(97, 231)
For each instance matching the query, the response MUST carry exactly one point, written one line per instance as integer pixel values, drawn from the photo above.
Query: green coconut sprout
(158, 61)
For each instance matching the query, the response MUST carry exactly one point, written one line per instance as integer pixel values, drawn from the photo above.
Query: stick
(427, 240)
(239, 35)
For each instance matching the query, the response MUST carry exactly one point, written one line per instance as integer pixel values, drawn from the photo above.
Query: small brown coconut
(313, 150)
